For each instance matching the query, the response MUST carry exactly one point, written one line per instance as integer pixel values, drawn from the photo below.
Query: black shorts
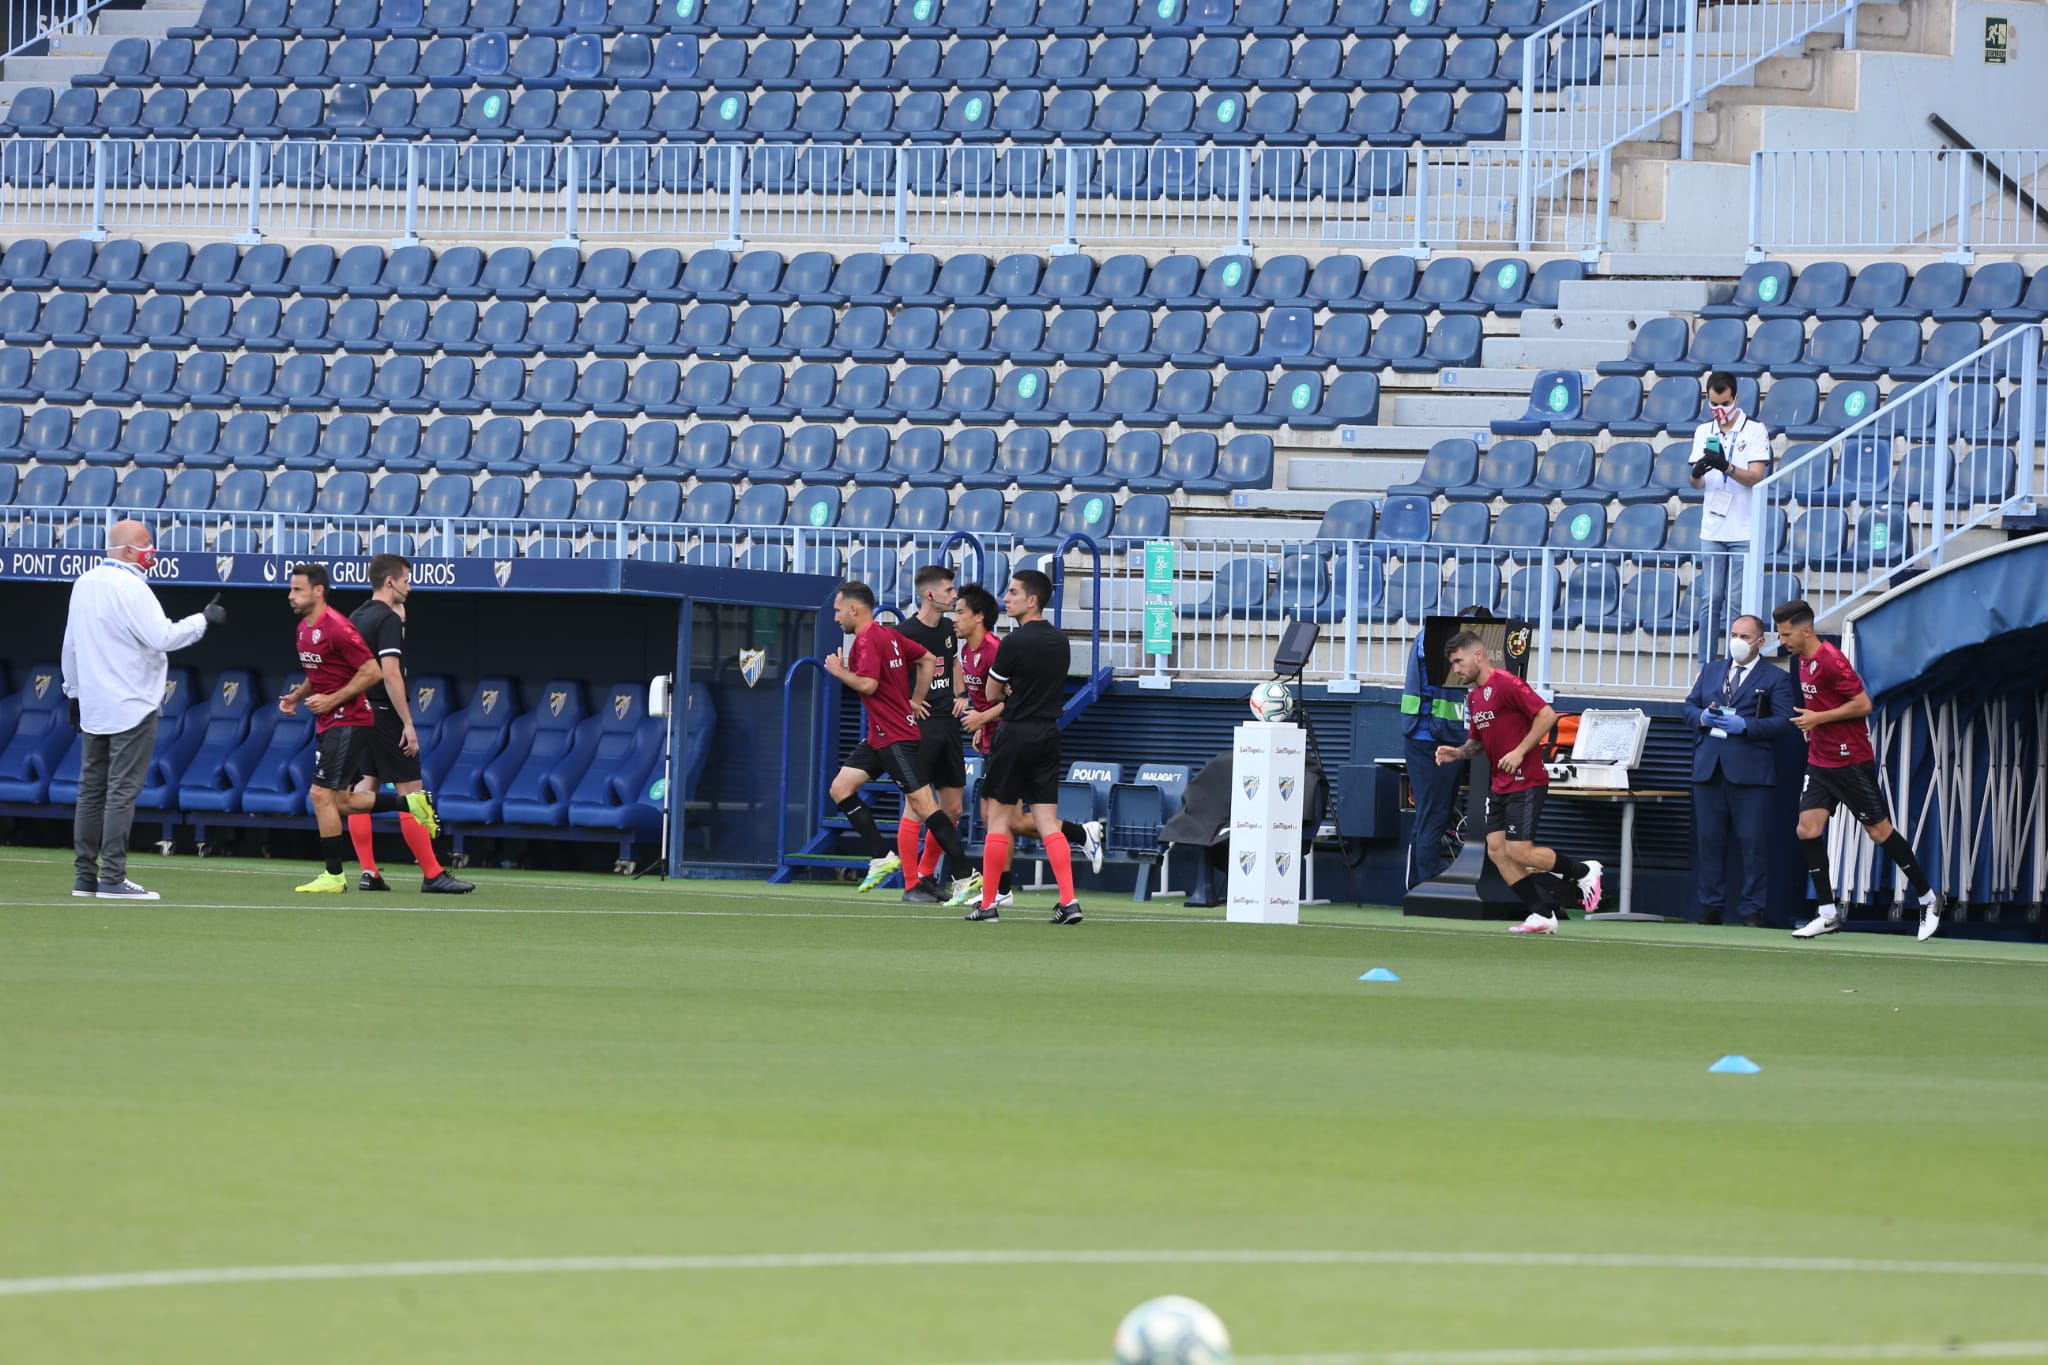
(337, 755)
(1023, 766)
(1515, 813)
(1855, 787)
(939, 755)
(380, 754)
(898, 761)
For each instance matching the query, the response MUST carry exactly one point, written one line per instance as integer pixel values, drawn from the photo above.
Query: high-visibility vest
(1442, 708)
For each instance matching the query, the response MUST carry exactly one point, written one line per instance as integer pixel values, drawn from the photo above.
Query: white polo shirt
(115, 641)
(1725, 518)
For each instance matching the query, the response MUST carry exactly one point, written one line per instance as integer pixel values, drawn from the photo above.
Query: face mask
(1739, 649)
(1723, 412)
(145, 557)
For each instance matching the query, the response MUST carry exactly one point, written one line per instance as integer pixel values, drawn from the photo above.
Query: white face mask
(1739, 649)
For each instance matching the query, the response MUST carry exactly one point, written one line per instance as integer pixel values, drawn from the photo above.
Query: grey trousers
(1717, 594)
(109, 780)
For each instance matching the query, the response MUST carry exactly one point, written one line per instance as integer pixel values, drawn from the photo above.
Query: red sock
(422, 847)
(995, 860)
(933, 856)
(907, 831)
(366, 848)
(1061, 855)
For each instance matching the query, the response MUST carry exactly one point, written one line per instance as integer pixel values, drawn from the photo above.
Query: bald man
(116, 638)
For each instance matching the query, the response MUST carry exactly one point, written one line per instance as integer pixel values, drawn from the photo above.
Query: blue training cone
(1379, 974)
(1735, 1065)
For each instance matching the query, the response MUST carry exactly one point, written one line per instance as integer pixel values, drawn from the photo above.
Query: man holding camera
(1739, 708)
(1731, 455)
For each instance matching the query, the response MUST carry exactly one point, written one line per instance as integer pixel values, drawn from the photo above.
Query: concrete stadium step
(1584, 324)
(1640, 295)
(1506, 381)
(1444, 409)
(153, 22)
(1701, 267)
(1246, 528)
(50, 71)
(1280, 500)
(1550, 353)
(1356, 473)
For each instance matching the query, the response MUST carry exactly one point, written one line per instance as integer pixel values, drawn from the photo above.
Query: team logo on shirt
(621, 704)
(1251, 786)
(502, 571)
(316, 635)
(1286, 789)
(42, 685)
(753, 663)
(1246, 861)
(1487, 694)
(224, 565)
(556, 701)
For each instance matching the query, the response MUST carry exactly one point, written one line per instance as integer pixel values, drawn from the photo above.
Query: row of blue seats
(1838, 347)
(230, 752)
(1339, 282)
(1942, 291)
(1302, 586)
(867, 333)
(1629, 472)
(892, 19)
(1977, 411)
(1139, 460)
(766, 391)
(1031, 517)
(632, 62)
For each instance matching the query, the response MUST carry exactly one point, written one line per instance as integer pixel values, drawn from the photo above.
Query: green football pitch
(583, 1119)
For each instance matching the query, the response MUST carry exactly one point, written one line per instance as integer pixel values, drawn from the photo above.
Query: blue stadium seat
(1505, 465)
(1672, 407)
(1882, 285)
(210, 738)
(1822, 285)
(1937, 288)
(1555, 394)
(607, 779)
(1580, 526)
(1565, 473)
(1762, 283)
(1612, 403)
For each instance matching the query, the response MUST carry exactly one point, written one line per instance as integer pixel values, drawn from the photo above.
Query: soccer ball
(1273, 701)
(1172, 1331)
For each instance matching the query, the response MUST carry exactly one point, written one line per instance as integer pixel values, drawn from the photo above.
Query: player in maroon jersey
(1508, 719)
(888, 670)
(339, 669)
(1841, 770)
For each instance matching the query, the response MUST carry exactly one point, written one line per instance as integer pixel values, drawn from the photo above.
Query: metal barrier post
(1244, 200)
(1525, 211)
(1349, 682)
(1944, 469)
(1420, 247)
(1685, 109)
(411, 235)
(899, 235)
(572, 156)
(1592, 257)
(252, 230)
(732, 241)
(1962, 253)
(2030, 417)
(97, 230)
(1756, 208)
(1068, 243)
(1546, 628)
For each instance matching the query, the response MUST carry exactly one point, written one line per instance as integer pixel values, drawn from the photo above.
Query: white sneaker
(1005, 899)
(124, 891)
(1589, 887)
(1826, 922)
(1930, 915)
(1093, 846)
(1536, 924)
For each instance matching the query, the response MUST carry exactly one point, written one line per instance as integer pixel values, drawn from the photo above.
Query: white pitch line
(872, 1260)
(1647, 1355)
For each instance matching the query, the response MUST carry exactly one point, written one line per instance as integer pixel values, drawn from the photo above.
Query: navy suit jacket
(1766, 700)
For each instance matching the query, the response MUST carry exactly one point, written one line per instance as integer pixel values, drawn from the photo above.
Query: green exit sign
(1997, 41)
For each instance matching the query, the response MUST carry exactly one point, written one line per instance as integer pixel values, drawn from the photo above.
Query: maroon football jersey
(1500, 713)
(880, 653)
(1826, 681)
(330, 650)
(974, 665)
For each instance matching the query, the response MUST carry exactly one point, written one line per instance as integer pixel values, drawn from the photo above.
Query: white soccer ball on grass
(1172, 1331)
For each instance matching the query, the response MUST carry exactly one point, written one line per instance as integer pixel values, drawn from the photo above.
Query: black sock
(863, 821)
(1531, 895)
(1570, 869)
(1901, 852)
(1076, 836)
(1816, 851)
(942, 828)
(334, 848)
(387, 802)
(1005, 887)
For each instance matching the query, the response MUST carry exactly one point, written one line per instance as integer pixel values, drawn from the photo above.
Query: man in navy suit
(1740, 708)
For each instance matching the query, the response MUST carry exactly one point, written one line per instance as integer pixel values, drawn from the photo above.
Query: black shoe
(85, 888)
(372, 881)
(983, 914)
(925, 892)
(1070, 913)
(443, 885)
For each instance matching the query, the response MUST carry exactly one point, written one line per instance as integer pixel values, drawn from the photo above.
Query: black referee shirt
(939, 640)
(384, 633)
(1032, 663)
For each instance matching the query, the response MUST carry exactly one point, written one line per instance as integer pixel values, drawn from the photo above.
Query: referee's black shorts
(380, 755)
(939, 755)
(1023, 766)
(899, 761)
(336, 756)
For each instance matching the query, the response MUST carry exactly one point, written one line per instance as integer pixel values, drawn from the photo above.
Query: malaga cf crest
(1286, 789)
(42, 684)
(227, 692)
(489, 699)
(621, 704)
(1282, 861)
(1246, 861)
(426, 699)
(753, 663)
(1251, 786)
(501, 570)
(224, 565)
(556, 701)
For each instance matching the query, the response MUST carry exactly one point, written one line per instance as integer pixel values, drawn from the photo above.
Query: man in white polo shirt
(115, 640)
(1731, 454)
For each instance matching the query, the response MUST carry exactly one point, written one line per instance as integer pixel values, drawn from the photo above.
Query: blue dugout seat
(214, 733)
(465, 754)
(534, 746)
(42, 732)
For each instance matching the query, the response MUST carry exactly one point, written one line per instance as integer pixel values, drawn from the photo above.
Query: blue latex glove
(1706, 719)
(1732, 724)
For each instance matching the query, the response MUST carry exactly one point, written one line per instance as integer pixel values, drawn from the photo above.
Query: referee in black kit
(1029, 677)
(392, 751)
